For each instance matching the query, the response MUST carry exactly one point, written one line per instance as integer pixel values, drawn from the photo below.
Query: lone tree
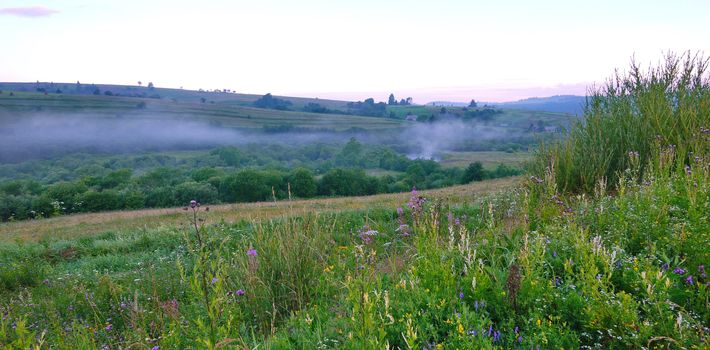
(474, 172)
(391, 100)
(473, 104)
(140, 83)
(150, 86)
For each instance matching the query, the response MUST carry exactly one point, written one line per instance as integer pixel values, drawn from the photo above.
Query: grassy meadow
(602, 245)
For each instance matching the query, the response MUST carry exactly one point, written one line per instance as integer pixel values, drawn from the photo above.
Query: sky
(439, 50)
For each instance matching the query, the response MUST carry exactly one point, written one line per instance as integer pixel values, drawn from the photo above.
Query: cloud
(35, 11)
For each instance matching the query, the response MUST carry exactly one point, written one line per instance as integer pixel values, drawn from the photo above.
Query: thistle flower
(252, 252)
(194, 204)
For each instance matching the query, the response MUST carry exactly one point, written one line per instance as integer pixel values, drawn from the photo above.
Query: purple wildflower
(461, 295)
(520, 339)
(689, 280)
(240, 292)
(109, 327)
(665, 267)
(496, 336)
(679, 271)
(214, 280)
(251, 252)
(490, 330)
(554, 254)
(155, 348)
(366, 234)
(472, 333)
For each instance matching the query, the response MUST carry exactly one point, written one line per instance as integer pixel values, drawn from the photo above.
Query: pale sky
(493, 50)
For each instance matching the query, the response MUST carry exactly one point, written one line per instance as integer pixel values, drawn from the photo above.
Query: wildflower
(460, 329)
(366, 234)
(665, 267)
(461, 295)
(520, 339)
(689, 280)
(194, 204)
(240, 292)
(155, 348)
(251, 252)
(109, 327)
(678, 271)
(538, 322)
(554, 253)
(214, 280)
(496, 336)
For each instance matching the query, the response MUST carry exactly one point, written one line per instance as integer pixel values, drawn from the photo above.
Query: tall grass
(638, 113)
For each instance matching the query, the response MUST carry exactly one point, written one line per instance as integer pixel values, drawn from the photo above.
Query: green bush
(651, 115)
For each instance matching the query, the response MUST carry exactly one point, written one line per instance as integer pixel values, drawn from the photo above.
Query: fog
(46, 136)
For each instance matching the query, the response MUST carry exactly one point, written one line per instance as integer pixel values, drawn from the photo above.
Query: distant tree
(303, 184)
(403, 102)
(97, 91)
(392, 100)
(140, 83)
(108, 93)
(409, 101)
(58, 91)
(150, 86)
(473, 104)
(314, 108)
(474, 172)
(269, 101)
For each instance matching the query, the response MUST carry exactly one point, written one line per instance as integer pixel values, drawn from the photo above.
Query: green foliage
(302, 183)
(268, 101)
(474, 172)
(644, 115)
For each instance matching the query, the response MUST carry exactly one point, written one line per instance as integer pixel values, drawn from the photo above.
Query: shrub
(635, 113)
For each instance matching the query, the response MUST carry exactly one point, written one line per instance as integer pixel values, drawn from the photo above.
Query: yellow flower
(460, 328)
(538, 322)
(439, 346)
(328, 268)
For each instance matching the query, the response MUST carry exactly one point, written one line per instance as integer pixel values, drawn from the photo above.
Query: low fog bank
(44, 136)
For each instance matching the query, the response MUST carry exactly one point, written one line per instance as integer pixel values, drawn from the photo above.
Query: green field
(222, 115)
(490, 160)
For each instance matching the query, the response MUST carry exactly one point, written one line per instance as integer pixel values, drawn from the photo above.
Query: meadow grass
(633, 116)
(489, 159)
(92, 223)
(519, 268)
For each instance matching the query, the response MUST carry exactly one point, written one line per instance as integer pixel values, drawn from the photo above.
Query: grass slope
(23, 104)
(127, 221)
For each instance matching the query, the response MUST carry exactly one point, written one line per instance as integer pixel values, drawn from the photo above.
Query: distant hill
(221, 97)
(571, 104)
